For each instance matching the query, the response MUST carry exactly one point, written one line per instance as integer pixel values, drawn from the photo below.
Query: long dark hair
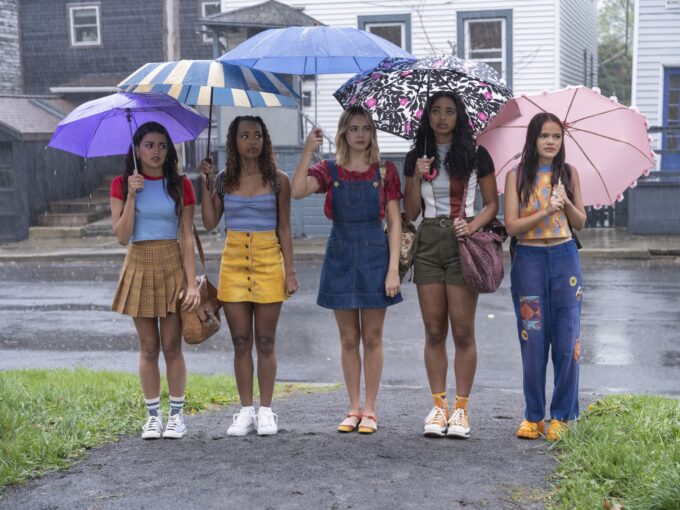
(266, 161)
(173, 181)
(528, 167)
(461, 158)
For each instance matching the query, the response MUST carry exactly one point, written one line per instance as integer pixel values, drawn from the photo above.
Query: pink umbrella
(605, 141)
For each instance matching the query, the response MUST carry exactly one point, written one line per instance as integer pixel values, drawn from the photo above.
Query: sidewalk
(310, 465)
(96, 242)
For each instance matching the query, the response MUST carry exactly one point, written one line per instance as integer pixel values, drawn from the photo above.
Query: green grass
(624, 452)
(49, 418)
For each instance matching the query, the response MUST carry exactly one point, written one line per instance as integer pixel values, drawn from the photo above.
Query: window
(395, 28)
(85, 29)
(486, 36)
(208, 9)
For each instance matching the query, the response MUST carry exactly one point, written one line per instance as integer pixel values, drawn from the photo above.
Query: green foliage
(615, 60)
(624, 450)
(48, 418)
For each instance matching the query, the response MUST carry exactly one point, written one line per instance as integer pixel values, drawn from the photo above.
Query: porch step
(80, 205)
(54, 232)
(74, 219)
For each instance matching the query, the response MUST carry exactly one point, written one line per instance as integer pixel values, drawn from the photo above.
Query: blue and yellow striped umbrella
(208, 82)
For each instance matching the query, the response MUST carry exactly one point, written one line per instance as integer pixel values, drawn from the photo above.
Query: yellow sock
(439, 400)
(461, 403)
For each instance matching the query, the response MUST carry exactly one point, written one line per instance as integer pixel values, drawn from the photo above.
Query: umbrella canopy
(104, 126)
(395, 91)
(605, 141)
(196, 81)
(313, 50)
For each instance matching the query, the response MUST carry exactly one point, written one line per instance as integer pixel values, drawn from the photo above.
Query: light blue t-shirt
(155, 217)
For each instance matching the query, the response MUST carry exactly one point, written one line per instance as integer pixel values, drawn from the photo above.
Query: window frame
(389, 20)
(503, 15)
(72, 8)
(207, 39)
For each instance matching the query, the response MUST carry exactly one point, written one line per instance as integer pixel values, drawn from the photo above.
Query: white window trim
(71, 10)
(468, 46)
(400, 24)
(208, 38)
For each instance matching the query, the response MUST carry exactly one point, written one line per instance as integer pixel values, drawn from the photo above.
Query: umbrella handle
(128, 116)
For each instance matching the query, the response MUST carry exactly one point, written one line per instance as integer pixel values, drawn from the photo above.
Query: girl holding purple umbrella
(444, 166)
(542, 201)
(360, 274)
(152, 212)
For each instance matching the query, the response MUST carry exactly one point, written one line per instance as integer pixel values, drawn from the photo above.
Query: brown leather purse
(204, 322)
(481, 254)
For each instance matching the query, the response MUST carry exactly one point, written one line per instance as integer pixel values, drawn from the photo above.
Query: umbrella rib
(571, 103)
(609, 138)
(604, 184)
(598, 114)
(535, 104)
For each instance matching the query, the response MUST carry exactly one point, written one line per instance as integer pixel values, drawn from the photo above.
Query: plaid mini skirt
(151, 279)
(252, 268)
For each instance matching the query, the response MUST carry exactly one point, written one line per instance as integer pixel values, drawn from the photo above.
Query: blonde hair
(372, 152)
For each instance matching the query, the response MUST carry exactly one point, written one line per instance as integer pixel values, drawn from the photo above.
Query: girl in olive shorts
(443, 163)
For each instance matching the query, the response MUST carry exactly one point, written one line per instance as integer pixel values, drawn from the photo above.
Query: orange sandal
(350, 423)
(366, 427)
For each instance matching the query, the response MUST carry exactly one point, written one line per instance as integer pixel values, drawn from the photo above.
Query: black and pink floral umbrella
(396, 90)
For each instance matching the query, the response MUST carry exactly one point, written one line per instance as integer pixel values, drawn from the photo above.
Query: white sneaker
(175, 429)
(244, 423)
(267, 422)
(459, 425)
(435, 423)
(153, 428)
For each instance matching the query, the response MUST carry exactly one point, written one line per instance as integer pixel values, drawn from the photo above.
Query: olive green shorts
(436, 257)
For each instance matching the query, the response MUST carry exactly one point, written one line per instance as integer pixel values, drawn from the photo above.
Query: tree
(615, 48)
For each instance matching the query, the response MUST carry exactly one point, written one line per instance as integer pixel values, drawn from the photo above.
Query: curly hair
(461, 159)
(266, 160)
(372, 152)
(173, 181)
(528, 167)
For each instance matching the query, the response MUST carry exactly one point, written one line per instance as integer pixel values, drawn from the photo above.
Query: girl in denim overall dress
(360, 274)
(542, 201)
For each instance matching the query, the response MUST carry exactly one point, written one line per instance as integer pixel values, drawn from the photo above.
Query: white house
(654, 205)
(656, 74)
(536, 44)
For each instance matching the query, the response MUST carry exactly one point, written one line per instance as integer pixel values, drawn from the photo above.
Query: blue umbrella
(314, 50)
(104, 126)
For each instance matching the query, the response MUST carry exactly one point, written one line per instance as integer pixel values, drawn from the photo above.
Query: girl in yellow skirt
(257, 272)
(152, 213)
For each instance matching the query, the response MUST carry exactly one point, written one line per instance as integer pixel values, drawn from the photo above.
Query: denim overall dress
(357, 253)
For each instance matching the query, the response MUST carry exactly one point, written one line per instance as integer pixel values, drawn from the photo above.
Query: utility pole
(171, 30)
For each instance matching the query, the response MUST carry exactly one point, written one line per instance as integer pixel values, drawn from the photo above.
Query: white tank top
(437, 194)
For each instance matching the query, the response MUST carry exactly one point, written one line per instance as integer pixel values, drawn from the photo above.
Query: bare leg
(372, 320)
(240, 320)
(266, 319)
(171, 341)
(462, 305)
(149, 350)
(432, 298)
(350, 336)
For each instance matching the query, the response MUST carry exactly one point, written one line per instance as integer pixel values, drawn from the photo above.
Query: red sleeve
(189, 195)
(323, 174)
(117, 188)
(392, 184)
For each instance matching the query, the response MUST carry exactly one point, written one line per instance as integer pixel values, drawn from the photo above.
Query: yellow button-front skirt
(252, 268)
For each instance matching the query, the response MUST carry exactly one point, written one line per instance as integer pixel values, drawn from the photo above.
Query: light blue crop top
(155, 217)
(250, 214)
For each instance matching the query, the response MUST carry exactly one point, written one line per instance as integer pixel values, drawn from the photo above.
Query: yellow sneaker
(459, 425)
(531, 429)
(556, 429)
(435, 423)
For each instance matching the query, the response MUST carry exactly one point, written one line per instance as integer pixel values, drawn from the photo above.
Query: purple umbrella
(104, 127)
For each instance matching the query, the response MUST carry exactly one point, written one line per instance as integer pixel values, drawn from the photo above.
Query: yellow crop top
(554, 226)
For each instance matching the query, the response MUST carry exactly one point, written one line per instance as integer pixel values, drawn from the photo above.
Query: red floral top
(322, 172)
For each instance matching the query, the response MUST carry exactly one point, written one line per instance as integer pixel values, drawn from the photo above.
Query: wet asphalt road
(56, 314)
